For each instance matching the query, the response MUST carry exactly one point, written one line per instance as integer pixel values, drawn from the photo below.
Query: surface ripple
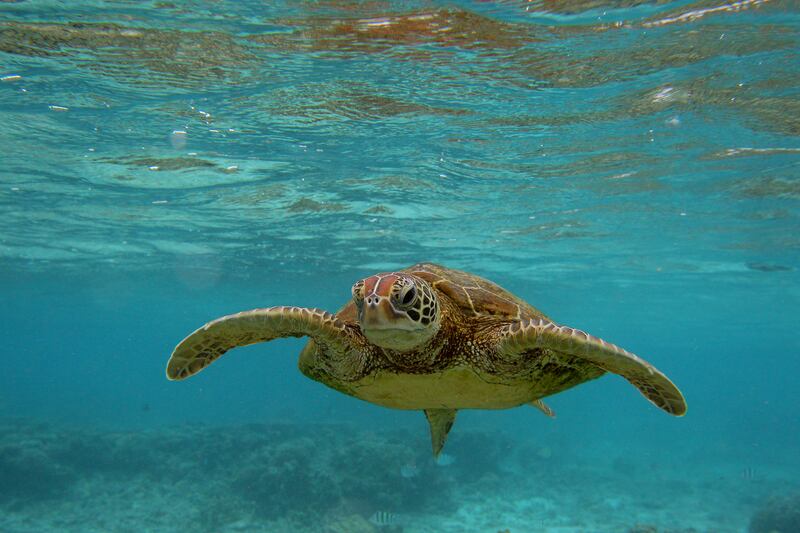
(537, 136)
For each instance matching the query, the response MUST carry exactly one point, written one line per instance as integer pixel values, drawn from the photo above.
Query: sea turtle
(434, 339)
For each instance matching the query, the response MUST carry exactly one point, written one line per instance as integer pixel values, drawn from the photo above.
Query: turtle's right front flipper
(205, 345)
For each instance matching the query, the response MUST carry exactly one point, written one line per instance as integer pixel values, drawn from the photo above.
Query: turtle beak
(377, 313)
(385, 327)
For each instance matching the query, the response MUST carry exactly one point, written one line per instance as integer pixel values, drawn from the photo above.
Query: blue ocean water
(629, 168)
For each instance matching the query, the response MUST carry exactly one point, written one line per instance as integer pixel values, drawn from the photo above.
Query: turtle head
(396, 311)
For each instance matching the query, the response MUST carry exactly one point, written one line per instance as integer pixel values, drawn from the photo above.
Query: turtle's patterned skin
(434, 339)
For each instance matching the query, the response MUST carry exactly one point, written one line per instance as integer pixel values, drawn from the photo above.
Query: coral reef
(335, 478)
(350, 523)
(316, 472)
(648, 528)
(28, 471)
(779, 514)
(310, 477)
(643, 528)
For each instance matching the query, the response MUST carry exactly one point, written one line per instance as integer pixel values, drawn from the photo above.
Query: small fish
(748, 474)
(409, 470)
(445, 460)
(768, 267)
(384, 519)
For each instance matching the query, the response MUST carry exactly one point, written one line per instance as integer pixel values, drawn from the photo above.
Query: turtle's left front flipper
(519, 337)
(205, 345)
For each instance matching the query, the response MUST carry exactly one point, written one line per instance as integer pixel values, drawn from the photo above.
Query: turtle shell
(475, 295)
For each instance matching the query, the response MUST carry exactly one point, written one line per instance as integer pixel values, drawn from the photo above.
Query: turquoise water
(630, 168)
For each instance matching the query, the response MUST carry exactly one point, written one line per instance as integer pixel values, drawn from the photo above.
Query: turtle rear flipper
(441, 421)
(208, 343)
(543, 407)
(526, 335)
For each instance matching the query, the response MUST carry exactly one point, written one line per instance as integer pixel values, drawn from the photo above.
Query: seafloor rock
(28, 472)
(648, 528)
(303, 475)
(315, 473)
(643, 528)
(780, 514)
(476, 454)
(104, 453)
(348, 523)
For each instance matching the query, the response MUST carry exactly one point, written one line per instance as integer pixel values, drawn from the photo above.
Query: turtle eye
(409, 296)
